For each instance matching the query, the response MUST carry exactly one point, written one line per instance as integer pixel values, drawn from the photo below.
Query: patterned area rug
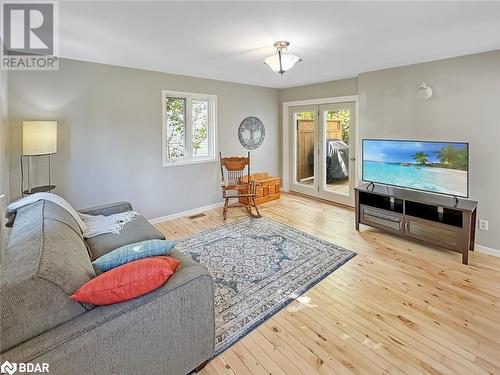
(259, 266)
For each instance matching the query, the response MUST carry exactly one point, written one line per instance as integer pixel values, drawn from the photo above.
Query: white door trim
(285, 164)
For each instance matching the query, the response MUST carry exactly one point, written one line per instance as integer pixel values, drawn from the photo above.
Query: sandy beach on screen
(451, 180)
(451, 172)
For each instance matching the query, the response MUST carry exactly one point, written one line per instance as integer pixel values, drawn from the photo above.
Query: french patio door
(322, 149)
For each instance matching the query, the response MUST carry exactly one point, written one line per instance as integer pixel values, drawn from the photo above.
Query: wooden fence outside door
(305, 144)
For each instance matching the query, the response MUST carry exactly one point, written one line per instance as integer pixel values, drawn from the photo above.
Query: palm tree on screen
(447, 155)
(421, 157)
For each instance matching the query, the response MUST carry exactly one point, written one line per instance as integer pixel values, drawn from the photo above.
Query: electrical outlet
(483, 224)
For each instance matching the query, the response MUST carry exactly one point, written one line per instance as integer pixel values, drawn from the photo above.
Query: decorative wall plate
(251, 133)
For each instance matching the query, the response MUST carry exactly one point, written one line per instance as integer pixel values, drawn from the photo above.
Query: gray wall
(109, 134)
(465, 107)
(341, 87)
(4, 155)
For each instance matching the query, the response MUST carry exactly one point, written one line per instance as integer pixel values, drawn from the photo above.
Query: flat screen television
(437, 167)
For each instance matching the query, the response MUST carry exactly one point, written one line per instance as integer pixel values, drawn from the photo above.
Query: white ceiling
(230, 40)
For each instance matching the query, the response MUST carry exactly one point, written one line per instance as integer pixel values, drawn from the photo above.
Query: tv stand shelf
(426, 217)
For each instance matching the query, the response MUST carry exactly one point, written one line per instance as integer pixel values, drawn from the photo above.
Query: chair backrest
(233, 169)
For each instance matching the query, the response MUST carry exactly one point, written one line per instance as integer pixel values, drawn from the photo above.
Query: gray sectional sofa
(167, 331)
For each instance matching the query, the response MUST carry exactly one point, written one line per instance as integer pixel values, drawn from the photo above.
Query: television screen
(439, 167)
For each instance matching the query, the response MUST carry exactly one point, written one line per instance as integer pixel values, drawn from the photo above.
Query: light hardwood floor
(397, 307)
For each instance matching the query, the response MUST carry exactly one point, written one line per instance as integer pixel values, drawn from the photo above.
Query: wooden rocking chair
(232, 170)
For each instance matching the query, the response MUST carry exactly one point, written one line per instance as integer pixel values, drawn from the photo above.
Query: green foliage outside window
(200, 127)
(176, 121)
(176, 126)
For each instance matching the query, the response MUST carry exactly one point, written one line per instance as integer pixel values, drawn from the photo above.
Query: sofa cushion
(45, 261)
(137, 230)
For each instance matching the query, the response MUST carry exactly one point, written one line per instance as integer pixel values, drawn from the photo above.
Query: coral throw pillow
(172, 262)
(125, 282)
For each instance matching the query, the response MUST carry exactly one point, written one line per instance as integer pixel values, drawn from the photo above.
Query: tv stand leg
(465, 256)
(465, 240)
(472, 234)
(356, 207)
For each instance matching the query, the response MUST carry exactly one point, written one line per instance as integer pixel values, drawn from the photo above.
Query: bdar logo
(8, 368)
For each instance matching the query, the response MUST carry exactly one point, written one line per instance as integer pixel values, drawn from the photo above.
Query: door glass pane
(175, 128)
(337, 124)
(200, 128)
(304, 163)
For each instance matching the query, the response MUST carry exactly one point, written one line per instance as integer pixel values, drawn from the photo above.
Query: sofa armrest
(107, 209)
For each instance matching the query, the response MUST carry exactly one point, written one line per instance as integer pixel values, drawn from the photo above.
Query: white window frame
(188, 129)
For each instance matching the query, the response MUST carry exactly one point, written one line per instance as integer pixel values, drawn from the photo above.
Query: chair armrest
(107, 209)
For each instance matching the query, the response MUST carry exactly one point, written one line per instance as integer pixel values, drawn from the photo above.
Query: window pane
(200, 127)
(337, 151)
(175, 128)
(305, 155)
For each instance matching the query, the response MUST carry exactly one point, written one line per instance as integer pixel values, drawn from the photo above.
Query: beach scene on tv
(438, 167)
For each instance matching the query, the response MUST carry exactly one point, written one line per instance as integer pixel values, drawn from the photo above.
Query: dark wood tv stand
(430, 218)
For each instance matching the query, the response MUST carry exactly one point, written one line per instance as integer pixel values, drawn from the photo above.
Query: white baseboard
(487, 250)
(191, 212)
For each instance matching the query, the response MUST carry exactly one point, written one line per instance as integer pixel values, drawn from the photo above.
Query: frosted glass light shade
(288, 61)
(39, 137)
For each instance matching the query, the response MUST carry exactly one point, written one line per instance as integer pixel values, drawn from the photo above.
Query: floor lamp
(39, 140)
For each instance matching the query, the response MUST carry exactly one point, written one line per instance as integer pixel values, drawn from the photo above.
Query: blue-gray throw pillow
(135, 251)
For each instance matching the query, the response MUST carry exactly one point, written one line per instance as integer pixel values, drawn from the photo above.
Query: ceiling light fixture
(282, 60)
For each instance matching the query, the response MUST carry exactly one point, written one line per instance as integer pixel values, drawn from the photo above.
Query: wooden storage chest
(268, 187)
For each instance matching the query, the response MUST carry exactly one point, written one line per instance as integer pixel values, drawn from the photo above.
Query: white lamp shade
(287, 61)
(39, 137)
